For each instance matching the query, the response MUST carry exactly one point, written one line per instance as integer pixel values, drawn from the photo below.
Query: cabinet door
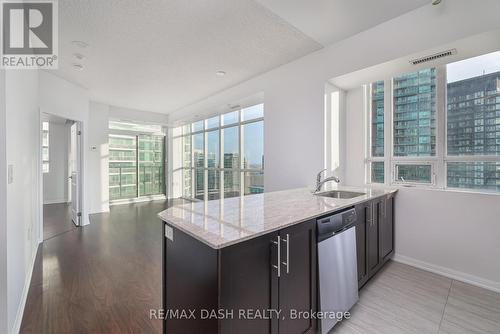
(249, 281)
(386, 227)
(297, 284)
(372, 237)
(361, 240)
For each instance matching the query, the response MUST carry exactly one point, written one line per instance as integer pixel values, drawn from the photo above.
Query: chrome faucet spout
(320, 182)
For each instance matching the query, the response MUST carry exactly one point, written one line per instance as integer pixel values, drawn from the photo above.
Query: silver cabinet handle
(278, 243)
(287, 263)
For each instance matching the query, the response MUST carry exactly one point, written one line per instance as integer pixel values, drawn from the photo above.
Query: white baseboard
(450, 273)
(24, 296)
(55, 201)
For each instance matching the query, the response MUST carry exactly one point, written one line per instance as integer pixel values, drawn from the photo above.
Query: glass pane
(414, 173)
(151, 165)
(188, 185)
(45, 139)
(230, 118)
(254, 183)
(231, 184)
(197, 126)
(415, 114)
(473, 117)
(231, 147)
(45, 167)
(199, 184)
(377, 172)
(213, 184)
(377, 118)
(45, 153)
(213, 157)
(122, 167)
(187, 151)
(198, 150)
(474, 175)
(213, 122)
(45, 126)
(253, 157)
(252, 112)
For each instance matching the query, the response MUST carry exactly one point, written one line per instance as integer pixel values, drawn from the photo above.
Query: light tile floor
(403, 299)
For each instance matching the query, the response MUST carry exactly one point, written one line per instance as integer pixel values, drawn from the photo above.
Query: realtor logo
(29, 34)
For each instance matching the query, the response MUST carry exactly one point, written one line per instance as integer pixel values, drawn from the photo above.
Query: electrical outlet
(169, 232)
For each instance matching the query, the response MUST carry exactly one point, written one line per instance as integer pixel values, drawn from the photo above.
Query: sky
(474, 67)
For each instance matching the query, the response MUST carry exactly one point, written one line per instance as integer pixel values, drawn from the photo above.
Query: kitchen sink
(340, 194)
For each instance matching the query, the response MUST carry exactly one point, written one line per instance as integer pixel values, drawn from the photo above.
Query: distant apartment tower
(474, 129)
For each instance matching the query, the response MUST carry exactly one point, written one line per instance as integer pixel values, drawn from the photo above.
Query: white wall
(67, 100)
(294, 129)
(98, 158)
(125, 114)
(3, 208)
(23, 201)
(55, 182)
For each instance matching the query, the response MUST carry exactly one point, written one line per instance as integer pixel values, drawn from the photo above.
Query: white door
(75, 146)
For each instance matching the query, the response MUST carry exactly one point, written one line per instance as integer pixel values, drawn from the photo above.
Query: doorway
(61, 186)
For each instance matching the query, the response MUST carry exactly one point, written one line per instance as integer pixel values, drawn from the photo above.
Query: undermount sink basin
(340, 194)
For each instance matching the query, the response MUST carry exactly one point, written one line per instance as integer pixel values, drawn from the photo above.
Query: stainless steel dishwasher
(337, 266)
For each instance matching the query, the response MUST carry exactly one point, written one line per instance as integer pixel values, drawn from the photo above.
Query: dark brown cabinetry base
(374, 236)
(237, 282)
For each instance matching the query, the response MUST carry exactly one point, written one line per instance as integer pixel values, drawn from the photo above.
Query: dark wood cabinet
(374, 236)
(387, 228)
(297, 282)
(243, 277)
(248, 281)
(361, 211)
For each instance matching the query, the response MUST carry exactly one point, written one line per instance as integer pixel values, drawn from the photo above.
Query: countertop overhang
(222, 223)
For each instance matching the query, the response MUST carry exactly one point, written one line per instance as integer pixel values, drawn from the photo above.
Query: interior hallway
(56, 219)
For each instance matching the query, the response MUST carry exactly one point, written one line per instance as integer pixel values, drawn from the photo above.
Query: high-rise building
(415, 113)
(473, 129)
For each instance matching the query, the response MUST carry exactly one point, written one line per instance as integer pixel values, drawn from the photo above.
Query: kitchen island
(248, 264)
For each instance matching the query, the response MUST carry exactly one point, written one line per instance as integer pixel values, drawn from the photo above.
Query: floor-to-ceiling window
(136, 160)
(222, 156)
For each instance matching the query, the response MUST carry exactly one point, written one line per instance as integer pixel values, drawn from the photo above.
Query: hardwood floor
(56, 219)
(105, 277)
(403, 299)
(101, 278)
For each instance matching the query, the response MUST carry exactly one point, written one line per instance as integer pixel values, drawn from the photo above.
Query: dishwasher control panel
(337, 222)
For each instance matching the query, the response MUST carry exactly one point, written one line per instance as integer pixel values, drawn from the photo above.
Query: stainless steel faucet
(320, 182)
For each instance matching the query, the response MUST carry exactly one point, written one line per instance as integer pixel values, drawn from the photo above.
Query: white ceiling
(161, 55)
(330, 21)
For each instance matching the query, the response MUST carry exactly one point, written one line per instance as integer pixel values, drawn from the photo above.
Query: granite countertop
(221, 223)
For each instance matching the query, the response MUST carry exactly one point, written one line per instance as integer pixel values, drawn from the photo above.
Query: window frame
(439, 162)
(221, 169)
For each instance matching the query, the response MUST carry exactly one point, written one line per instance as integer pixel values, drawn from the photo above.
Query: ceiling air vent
(435, 56)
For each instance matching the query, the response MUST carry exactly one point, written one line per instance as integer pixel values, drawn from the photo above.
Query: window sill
(435, 188)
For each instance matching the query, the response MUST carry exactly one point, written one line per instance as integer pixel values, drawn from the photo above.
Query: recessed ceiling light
(220, 73)
(78, 67)
(80, 44)
(78, 56)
